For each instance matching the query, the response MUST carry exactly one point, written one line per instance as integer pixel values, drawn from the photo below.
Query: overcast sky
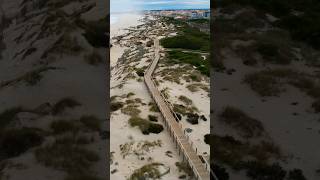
(133, 5)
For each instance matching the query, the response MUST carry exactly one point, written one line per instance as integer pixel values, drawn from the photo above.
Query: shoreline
(118, 28)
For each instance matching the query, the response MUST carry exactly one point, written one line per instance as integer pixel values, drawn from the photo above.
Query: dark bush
(67, 157)
(296, 174)
(8, 116)
(63, 126)
(270, 52)
(220, 172)
(140, 72)
(190, 58)
(17, 141)
(33, 78)
(116, 106)
(96, 33)
(155, 128)
(249, 127)
(153, 118)
(263, 84)
(256, 170)
(145, 126)
(91, 122)
(316, 106)
(93, 58)
(193, 118)
(61, 105)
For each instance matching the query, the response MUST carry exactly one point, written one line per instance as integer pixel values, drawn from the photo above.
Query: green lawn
(194, 59)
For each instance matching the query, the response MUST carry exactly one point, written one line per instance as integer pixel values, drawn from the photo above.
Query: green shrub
(263, 84)
(32, 78)
(64, 103)
(316, 106)
(63, 126)
(91, 122)
(93, 58)
(131, 110)
(153, 118)
(71, 139)
(145, 126)
(296, 174)
(185, 100)
(154, 107)
(256, 170)
(232, 152)
(220, 172)
(8, 116)
(270, 52)
(150, 169)
(130, 94)
(248, 127)
(140, 72)
(155, 128)
(17, 141)
(116, 106)
(193, 59)
(96, 33)
(184, 166)
(66, 157)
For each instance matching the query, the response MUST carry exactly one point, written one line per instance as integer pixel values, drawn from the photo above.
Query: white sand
(76, 78)
(117, 28)
(295, 135)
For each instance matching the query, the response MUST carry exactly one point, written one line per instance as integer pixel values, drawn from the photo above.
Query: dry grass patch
(138, 148)
(195, 87)
(184, 167)
(64, 103)
(235, 153)
(145, 126)
(184, 110)
(66, 156)
(14, 142)
(316, 106)
(91, 122)
(94, 58)
(8, 115)
(116, 106)
(130, 94)
(247, 126)
(185, 100)
(63, 126)
(270, 82)
(151, 170)
(131, 110)
(153, 107)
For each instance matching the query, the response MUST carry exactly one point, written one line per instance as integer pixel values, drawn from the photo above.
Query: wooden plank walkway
(182, 143)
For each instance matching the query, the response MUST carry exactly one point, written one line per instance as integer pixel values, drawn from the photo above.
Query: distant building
(206, 14)
(194, 15)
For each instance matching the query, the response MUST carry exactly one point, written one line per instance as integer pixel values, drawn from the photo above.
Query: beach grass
(64, 103)
(66, 156)
(150, 169)
(247, 126)
(14, 142)
(145, 126)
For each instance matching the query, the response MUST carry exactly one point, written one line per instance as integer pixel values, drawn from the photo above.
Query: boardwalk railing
(200, 169)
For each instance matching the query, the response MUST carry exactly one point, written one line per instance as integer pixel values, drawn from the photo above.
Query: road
(182, 143)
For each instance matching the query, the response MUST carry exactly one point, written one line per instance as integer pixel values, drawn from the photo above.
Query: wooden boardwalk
(200, 170)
